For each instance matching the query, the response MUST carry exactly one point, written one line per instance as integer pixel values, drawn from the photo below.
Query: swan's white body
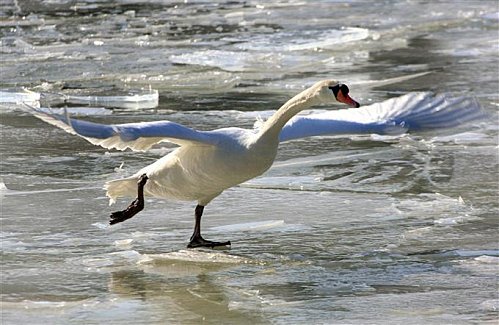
(208, 162)
(200, 172)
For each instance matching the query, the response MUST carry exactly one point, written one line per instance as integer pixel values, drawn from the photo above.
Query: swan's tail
(121, 187)
(419, 111)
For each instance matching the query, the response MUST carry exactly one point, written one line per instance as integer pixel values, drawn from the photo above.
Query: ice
(491, 15)
(353, 170)
(119, 169)
(37, 305)
(123, 242)
(447, 221)
(101, 225)
(244, 61)
(284, 182)
(389, 81)
(205, 82)
(10, 99)
(480, 262)
(194, 256)
(226, 60)
(78, 111)
(109, 260)
(255, 114)
(439, 214)
(58, 190)
(23, 96)
(452, 221)
(141, 100)
(9, 245)
(269, 226)
(50, 309)
(475, 253)
(485, 256)
(488, 259)
(461, 138)
(436, 203)
(134, 100)
(250, 226)
(490, 305)
(303, 40)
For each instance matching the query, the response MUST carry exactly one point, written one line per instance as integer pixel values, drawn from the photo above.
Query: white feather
(411, 112)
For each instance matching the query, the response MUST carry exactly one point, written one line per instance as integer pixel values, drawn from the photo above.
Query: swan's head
(329, 89)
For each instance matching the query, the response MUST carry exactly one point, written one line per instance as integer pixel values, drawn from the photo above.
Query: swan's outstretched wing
(411, 112)
(136, 136)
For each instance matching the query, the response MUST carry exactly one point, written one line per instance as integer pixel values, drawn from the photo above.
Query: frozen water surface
(341, 230)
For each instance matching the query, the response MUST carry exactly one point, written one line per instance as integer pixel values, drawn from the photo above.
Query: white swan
(208, 162)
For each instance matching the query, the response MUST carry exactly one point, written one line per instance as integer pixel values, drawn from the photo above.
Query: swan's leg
(196, 239)
(135, 207)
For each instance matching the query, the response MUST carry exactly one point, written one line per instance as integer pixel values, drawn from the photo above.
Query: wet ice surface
(351, 229)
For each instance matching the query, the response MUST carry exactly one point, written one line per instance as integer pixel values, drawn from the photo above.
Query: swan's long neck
(274, 125)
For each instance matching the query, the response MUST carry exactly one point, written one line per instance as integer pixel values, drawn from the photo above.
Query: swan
(205, 164)
(208, 162)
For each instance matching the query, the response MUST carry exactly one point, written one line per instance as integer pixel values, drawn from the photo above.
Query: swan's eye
(344, 89)
(340, 87)
(335, 89)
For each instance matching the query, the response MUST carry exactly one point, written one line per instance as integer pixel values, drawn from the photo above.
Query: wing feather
(136, 136)
(418, 111)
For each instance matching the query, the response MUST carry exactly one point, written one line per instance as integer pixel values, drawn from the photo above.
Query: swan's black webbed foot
(119, 216)
(135, 207)
(198, 241)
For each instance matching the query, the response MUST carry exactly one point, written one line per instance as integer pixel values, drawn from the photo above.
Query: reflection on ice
(193, 296)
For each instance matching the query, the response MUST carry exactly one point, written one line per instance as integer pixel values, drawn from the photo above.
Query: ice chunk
(81, 111)
(18, 97)
(134, 100)
(250, 226)
(302, 40)
(465, 137)
(196, 256)
(123, 242)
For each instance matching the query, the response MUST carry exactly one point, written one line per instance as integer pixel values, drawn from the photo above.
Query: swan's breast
(240, 153)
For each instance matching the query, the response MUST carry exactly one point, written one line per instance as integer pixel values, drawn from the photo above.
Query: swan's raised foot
(135, 207)
(119, 216)
(201, 242)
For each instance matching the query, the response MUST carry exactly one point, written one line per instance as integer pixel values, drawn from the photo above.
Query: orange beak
(345, 99)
